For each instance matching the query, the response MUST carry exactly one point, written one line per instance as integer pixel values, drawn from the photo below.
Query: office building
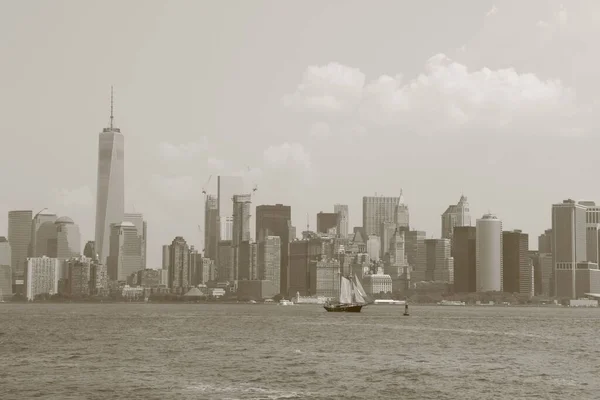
(42, 276)
(19, 237)
(269, 260)
(377, 210)
(464, 252)
(569, 245)
(43, 234)
(226, 267)
(79, 276)
(373, 247)
(402, 218)
(275, 220)
(125, 256)
(327, 221)
(343, 219)
(89, 250)
(489, 254)
(439, 261)
(179, 264)
(166, 258)
(137, 219)
(516, 265)
(226, 228)
(328, 278)
(110, 195)
(455, 215)
(67, 241)
(227, 187)
(414, 248)
(211, 227)
(545, 242)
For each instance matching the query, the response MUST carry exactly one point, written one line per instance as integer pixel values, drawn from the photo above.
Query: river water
(218, 351)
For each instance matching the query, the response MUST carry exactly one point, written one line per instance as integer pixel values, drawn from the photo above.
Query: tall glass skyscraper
(110, 196)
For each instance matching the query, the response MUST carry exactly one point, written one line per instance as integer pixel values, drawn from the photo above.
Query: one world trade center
(110, 196)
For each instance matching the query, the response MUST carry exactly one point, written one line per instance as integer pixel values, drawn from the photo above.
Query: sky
(314, 102)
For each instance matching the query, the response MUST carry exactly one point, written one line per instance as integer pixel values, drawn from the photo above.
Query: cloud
(182, 152)
(215, 163)
(330, 88)
(448, 96)
(78, 197)
(177, 188)
(492, 11)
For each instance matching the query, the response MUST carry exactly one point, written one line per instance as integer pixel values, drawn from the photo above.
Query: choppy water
(83, 351)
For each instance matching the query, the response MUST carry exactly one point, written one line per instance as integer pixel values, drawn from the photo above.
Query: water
(217, 351)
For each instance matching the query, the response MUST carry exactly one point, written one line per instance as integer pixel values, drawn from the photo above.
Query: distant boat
(451, 303)
(284, 302)
(352, 297)
(389, 302)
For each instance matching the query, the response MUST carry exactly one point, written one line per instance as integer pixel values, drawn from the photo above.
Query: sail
(345, 291)
(361, 295)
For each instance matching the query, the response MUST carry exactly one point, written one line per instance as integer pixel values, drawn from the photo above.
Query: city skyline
(288, 118)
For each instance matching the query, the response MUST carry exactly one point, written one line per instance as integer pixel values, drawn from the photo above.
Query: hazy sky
(324, 102)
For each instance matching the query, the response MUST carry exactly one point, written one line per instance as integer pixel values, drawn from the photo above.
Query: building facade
(42, 276)
(455, 215)
(343, 219)
(19, 237)
(516, 265)
(110, 194)
(464, 252)
(569, 243)
(125, 255)
(489, 254)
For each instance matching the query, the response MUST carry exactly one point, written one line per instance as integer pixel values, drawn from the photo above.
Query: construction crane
(205, 185)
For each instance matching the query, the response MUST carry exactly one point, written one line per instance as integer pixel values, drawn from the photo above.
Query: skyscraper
(67, 243)
(343, 221)
(377, 210)
(125, 256)
(275, 220)
(455, 215)
(137, 219)
(402, 218)
(516, 266)
(269, 260)
(43, 232)
(211, 227)
(327, 221)
(439, 262)
(179, 264)
(227, 186)
(110, 196)
(489, 254)
(569, 245)
(19, 237)
(464, 251)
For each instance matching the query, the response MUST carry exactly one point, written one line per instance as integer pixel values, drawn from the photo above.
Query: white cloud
(182, 152)
(492, 11)
(447, 96)
(330, 88)
(215, 163)
(78, 197)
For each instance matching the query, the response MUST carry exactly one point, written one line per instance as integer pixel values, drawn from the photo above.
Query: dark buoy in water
(406, 314)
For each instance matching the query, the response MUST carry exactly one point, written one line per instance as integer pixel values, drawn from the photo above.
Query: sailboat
(352, 296)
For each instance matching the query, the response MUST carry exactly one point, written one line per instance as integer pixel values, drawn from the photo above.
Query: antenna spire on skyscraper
(112, 117)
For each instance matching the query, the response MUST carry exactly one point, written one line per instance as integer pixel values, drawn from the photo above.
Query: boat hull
(353, 308)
